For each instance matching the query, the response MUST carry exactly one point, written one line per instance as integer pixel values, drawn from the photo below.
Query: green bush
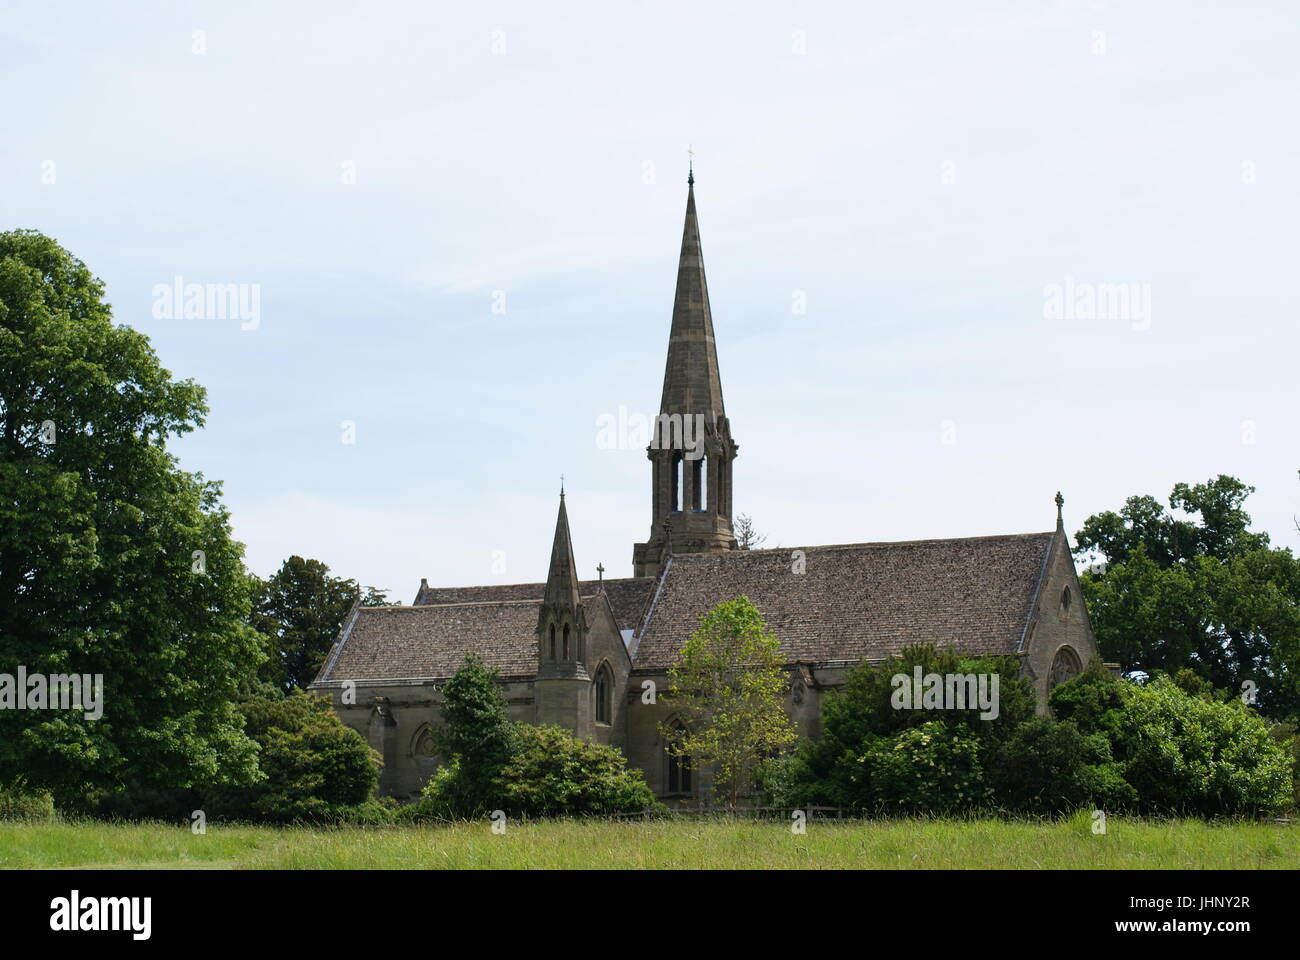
(21, 802)
(1182, 753)
(931, 768)
(556, 774)
(831, 771)
(1189, 754)
(314, 768)
(1050, 766)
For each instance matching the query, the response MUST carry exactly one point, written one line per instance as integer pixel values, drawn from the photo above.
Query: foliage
(557, 774)
(1189, 754)
(1204, 593)
(858, 717)
(1182, 753)
(18, 801)
(314, 767)
(933, 767)
(476, 742)
(477, 731)
(1051, 767)
(729, 686)
(301, 610)
(113, 561)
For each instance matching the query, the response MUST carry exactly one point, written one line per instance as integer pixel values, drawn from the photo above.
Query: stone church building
(579, 653)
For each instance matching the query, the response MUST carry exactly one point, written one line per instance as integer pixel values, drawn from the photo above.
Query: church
(588, 654)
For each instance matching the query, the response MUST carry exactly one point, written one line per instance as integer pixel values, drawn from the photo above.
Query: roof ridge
(874, 543)
(458, 603)
(530, 583)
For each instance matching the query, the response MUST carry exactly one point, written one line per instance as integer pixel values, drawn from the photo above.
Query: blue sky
(919, 174)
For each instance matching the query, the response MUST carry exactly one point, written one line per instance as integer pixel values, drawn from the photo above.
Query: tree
(729, 685)
(476, 741)
(314, 768)
(113, 561)
(747, 538)
(1202, 592)
(301, 610)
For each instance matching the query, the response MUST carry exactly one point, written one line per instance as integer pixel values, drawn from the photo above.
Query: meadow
(661, 844)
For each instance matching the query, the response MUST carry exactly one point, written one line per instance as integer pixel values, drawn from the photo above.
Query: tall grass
(671, 844)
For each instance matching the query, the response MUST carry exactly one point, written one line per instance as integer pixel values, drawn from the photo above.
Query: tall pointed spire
(691, 381)
(562, 578)
(692, 448)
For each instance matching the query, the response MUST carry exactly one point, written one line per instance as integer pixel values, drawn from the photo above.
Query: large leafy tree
(1196, 590)
(301, 609)
(113, 560)
(729, 685)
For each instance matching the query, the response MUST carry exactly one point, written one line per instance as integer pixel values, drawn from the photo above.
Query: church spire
(691, 381)
(691, 450)
(562, 578)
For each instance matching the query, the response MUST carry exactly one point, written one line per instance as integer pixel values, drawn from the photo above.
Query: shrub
(21, 802)
(831, 771)
(556, 774)
(1189, 754)
(1181, 752)
(314, 768)
(933, 767)
(1049, 766)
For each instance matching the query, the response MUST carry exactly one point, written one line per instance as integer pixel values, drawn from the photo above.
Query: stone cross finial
(1060, 502)
(600, 569)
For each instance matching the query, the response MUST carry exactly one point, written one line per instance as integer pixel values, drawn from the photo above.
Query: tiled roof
(430, 642)
(858, 601)
(627, 596)
(853, 602)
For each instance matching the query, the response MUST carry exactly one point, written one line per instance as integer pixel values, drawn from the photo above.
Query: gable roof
(863, 601)
(627, 596)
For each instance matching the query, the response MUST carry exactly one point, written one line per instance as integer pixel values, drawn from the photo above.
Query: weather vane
(690, 152)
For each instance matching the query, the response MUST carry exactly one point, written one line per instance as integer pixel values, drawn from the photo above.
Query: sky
(958, 260)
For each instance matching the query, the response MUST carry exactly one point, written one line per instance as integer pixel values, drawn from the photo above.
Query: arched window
(675, 501)
(1066, 599)
(1065, 666)
(566, 641)
(679, 765)
(604, 694)
(552, 642)
(424, 745)
(697, 484)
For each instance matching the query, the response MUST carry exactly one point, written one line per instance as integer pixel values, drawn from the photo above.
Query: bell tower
(691, 449)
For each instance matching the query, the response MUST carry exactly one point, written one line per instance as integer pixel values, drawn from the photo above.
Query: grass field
(1127, 844)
